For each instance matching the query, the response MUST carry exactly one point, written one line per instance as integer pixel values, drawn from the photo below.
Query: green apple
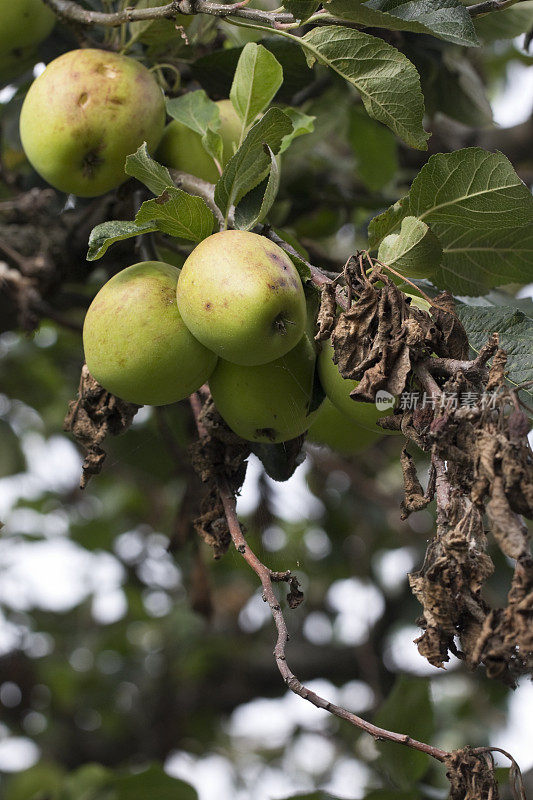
(241, 296)
(87, 111)
(269, 402)
(339, 432)
(338, 390)
(181, 148)
(136, 344)
(23, 24)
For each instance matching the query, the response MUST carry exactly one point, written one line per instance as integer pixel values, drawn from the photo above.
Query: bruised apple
(181, 148)
(269, 402)
(84, 114)
(339, 431)
(338, 390)
(241, 296)
(136, 344)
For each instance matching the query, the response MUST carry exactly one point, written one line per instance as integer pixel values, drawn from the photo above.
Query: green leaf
(301, 9)
(201, 115)
(388, 83)
(108, 233)
(387, 222)
(257, 79)
(515, 329)
(254, 206)
(445, 19)
(152, 783)
(481, 212)
(140, 165)
(415, 251)
(459, 92)
(301, 124)
(407, 709)
(374, 148)
(250, 164)
(177, 213)
(215, 71)
(505, 24)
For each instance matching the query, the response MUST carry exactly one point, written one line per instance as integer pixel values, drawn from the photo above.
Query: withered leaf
(94, 415)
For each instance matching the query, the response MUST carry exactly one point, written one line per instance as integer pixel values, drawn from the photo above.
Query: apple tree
(243, 245)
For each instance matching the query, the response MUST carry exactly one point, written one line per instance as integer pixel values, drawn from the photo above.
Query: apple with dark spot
(269, 402)
(87, 111)
(241, 296)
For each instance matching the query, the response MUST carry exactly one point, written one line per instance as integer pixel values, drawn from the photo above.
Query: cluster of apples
(234, 316)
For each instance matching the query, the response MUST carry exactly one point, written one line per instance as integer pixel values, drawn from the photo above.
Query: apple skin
(136, 344)
(269, 402)
(24, 23)
(181, 148)
(241, 296)
(339, 432)
(338, 390)
(87, 111)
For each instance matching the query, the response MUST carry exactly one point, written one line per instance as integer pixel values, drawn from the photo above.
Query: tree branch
(73, 12)
(480, 9)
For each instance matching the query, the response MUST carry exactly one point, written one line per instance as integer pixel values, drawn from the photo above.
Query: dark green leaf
(301, 9)
(446, 19)
(375, 150)
(152, 783)
(142, 166)
(279, 460)
(507, 23)
(407, 709)
(178, 213)
(481, 212)
(388, 83)
(108, 233)
(250, 164)
(215, 71)
(515, 329)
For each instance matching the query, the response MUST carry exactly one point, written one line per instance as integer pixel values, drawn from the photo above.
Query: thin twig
(265, 576)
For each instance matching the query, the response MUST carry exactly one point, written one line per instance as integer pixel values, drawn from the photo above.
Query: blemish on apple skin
(268, 433)
(278, 260)
(208, 306)
(83, 99)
